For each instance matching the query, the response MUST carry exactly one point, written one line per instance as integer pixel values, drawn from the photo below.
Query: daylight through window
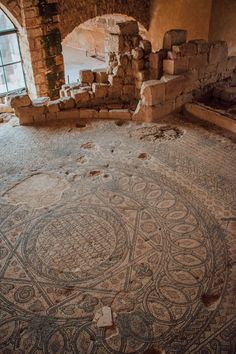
(11, 70)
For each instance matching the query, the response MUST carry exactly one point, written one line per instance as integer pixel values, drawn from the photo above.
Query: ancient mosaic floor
(139, 218)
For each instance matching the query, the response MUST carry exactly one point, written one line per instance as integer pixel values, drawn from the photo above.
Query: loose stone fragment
(103, 317)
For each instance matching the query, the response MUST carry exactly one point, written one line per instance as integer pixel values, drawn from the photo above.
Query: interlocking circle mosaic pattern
(77, 246)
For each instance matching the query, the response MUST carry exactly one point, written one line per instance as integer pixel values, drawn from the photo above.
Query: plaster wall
(192, 15)
(223, 23)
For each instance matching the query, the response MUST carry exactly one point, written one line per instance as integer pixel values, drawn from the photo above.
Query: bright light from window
(11, 71)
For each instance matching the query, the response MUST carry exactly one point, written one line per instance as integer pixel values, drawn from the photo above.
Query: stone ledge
(210, 115)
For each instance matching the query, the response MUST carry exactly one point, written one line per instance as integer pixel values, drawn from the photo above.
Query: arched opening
(84, 48)
(11, 68)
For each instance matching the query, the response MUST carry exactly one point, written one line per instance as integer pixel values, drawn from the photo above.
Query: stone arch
(14, 16)
(73, 13)
(13, 10)
(87, 41)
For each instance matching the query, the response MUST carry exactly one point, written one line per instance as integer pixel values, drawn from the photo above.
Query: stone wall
(46, 22)
(139, 84)
(190, 70)
(223, 23)
(99, 93)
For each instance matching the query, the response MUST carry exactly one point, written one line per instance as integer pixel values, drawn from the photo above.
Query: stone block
(65, 86)
(32, 114)
(123, 60)
(25, 115)
(103, 114)
(138, 65)
(202, 45)
(67, 103)
(86, 113)
(152, 92)
(174, 87)
(119, 71)
(103, 317)
(138, 53)
(22, 100)
(156, 64)
(136, 40)
(146, 46)
(191, 80)
(53, 106)
(174, 37)
(176, 66)
(198, 61)
(218, 52)
(67, 92)
(125, 28)
(129, 80)
(115, 91)
(40, 101)
(142, 113)
(128, 90)
(101, 77)
(68, 114)
(162, 110)
(86, 76)
(182, 100)
(184, 50)
(76, 86)
(81, 96)
(62, 93)
(51, 116)
(120, 114)
(84, 88)
(142, 75)
(129, 69)
(37, 110)
(153, 113)
(115, 80)
(39, 117)
(100, 90)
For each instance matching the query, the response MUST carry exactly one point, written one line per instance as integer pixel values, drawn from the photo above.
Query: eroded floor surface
(137, 217)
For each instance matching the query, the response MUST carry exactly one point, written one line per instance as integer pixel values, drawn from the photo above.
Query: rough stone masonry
(139, 84)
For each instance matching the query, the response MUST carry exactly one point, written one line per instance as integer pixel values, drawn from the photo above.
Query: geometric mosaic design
(145, 241)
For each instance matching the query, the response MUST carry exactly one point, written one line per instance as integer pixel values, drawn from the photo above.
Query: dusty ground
(137, 217)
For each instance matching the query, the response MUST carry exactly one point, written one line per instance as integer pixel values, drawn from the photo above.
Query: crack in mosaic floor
(146, 227)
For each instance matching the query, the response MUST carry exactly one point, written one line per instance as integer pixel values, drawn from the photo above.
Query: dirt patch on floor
(157, 133)
(211, 301)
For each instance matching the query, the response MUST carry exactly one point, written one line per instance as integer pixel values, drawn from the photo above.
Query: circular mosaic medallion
(138, 243)
(78, 245)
